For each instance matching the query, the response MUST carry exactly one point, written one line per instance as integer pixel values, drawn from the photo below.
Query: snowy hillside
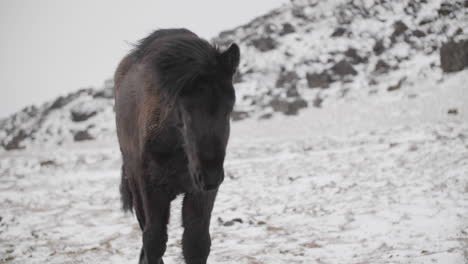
(378, 180)
(350, 146)
(304, 54)
(83, 115)
(323, 51)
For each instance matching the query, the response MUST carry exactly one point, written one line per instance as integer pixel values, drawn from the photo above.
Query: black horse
(173, 100)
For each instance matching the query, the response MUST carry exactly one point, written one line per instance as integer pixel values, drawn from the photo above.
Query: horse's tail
(125, 193)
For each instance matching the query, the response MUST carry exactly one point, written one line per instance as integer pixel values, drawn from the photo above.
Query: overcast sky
(51, 47)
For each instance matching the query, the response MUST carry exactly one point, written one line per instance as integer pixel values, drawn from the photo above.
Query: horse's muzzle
(207, 179)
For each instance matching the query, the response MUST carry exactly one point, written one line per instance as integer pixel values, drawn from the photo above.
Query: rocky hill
(316, 52)
(303, 54)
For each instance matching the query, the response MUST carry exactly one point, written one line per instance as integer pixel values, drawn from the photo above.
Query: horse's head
(204, 107)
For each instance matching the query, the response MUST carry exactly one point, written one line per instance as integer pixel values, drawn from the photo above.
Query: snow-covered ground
(375, 179)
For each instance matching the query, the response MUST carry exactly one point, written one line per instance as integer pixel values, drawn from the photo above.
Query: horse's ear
(230, 58)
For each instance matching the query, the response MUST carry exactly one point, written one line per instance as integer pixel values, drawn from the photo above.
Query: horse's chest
(164, 144)
(167, 161)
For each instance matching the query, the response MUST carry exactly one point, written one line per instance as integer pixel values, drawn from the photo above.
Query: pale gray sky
(51, 47)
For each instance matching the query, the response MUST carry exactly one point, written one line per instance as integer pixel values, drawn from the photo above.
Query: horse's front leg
(196, 214)
(156, 203)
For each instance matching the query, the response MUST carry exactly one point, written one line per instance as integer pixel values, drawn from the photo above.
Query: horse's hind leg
(126, 195)
(142, 251)
(141, 221)
(196, 214)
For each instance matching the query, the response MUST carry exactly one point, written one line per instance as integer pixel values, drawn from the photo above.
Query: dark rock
(288, 107)
(15, 142)
(396, 86)
(452, 111)
(279, 105)
(266, 116)
(425, 21)
(317, 101)
(31, 111)
(79, 116)
(287, 79)
(82, 135)
(343, 68)
(299, 13)
(354, 56)
(270, 28)
(237, 78)
(228, 223)
(264, 43)
(47, 163)
(339, 31)
(419, 33)
(459, 31)
(454, 56)
(230, 175)
(393, 87)
(64, 100)
(399, 28)
(346, 13)
(292, 92)
(295, 105)
(107, 93)
(344, 92)
(232, 222)
(413, 148)
(60, 102)
(373, 81)
(287, 29)
(318, 80)
(446, 9)
(239, 115)
(379, 47)
(413, 8)
(381, 67)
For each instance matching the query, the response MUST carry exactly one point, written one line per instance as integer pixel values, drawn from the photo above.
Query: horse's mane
(144, 46)
(179, 57)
